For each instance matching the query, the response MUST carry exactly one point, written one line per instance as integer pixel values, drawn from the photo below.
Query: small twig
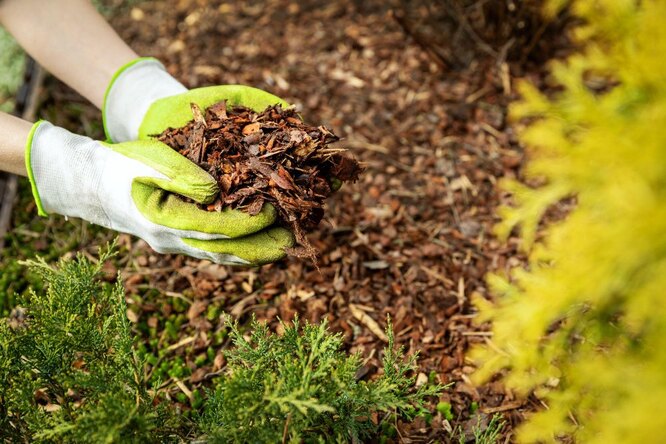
(502, 408)
(438, 276)
(165, 384)
(181, 385)
(179, 296)
(147, 376)
(181, 343)
(422, 41)
(535, 39)
(360, 144)
(286, 428)
(494, 347)
(370, 323)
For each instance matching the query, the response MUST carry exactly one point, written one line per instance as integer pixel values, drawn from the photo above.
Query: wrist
(131, 92)
(64, 171)
(14, 132)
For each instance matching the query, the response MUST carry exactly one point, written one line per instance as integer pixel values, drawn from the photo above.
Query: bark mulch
(264, 157)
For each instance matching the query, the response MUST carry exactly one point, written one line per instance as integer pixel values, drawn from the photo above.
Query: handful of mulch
(271, 156)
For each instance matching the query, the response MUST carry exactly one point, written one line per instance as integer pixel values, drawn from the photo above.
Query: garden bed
(412, 239)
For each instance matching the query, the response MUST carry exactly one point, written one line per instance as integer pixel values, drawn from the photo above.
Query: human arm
(12, 143)
(70, 39)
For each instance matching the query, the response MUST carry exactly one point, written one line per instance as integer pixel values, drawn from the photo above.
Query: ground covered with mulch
(411, 239)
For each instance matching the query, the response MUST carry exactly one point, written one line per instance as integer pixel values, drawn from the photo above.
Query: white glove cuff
(132, 90)
(65, 171)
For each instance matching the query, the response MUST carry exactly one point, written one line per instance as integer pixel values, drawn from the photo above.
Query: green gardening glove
(136, 187)
(175, 111)
(144, 100)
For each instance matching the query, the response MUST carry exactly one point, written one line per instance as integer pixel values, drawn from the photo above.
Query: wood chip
(196, 309)
(366, 320)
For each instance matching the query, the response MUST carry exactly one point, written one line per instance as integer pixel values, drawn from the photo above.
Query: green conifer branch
(69, 372)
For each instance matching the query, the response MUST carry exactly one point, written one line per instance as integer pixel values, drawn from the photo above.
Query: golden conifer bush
(584, 324)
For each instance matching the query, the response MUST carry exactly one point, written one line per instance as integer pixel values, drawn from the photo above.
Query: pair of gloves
(131, 184)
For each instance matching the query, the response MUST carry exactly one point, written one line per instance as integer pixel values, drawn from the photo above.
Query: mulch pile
(269, 156)
(411, 239)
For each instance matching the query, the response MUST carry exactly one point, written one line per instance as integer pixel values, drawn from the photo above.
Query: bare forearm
(70, 39)
(13, 136)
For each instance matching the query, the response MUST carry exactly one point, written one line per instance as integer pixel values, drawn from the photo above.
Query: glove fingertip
(256, 249)
(204, 192)
(282, 237)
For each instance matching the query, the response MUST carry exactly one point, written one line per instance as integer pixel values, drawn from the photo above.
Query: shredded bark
(266, 157)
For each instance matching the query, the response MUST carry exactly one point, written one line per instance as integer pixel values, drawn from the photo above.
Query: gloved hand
(143, 100)
(131, 187)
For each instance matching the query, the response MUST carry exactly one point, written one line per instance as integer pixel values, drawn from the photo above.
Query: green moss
(200, 360)
(445, 409)
(473, 407)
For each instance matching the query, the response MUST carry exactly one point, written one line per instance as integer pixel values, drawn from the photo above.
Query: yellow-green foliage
(585, 324)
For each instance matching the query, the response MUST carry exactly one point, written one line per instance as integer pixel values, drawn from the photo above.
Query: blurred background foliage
(459, 33)
(12, 61)
(584, 324)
